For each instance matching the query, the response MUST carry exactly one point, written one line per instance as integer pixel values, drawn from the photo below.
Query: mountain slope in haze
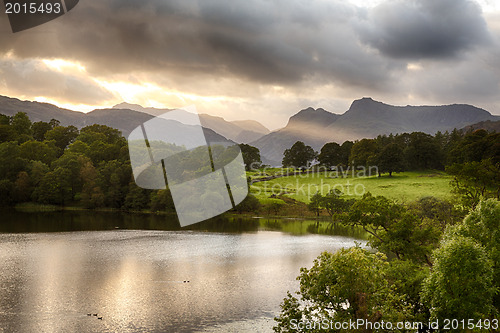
(124, 120)
(365, 118)
(241, 131)
(40, 111)
(309, 126)
(488, 125)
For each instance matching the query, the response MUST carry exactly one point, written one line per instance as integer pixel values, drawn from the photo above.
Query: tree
(460, 283)
(40, 128)
(37, 170)
(331, 155)
(162, 201)
(45, 152)
(393, 228)
(315, 203)
(475, 180)
(72, 164)
(136, 198)
(114, 180)
(334, 203)
(350, 284)
(390, 159)
(108, 134)
(4, 119)
(251, 157)
(7, 133)
(11, 162)
(21, 191)
(92, 195)
(62, 136)
(422, 152)
(346, 148)
(362, 151)
(21, 124)
(6, 187)
(483, 226)
(55, 187)
(438, 210)
(249, 204)
(298, 156)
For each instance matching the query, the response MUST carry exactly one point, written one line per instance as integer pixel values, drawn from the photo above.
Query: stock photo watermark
(205, 178)
(28, 14)
(325, 180)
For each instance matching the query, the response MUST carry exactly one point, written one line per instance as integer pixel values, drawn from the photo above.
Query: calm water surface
(57, 267)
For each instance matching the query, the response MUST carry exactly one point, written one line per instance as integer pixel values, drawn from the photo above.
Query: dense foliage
(47, 163)
(443, 269)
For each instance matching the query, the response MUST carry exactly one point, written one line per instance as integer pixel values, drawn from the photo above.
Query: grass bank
(403, 187)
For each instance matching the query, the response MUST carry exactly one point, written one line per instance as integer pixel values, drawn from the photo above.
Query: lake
(142, 273)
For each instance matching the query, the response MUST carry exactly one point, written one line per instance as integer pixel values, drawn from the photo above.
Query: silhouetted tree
(299, 155)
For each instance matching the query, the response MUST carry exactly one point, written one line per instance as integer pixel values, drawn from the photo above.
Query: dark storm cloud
(419, 29)
(282, 42)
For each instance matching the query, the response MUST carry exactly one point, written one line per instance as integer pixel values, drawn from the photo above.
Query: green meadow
(402, 187)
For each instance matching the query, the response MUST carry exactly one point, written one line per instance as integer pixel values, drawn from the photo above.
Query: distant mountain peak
(364, 103)
(311, 115)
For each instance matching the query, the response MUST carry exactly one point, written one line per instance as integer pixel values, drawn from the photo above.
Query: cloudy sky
(258, 59)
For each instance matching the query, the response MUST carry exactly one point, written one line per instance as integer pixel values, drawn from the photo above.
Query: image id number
(32, 8)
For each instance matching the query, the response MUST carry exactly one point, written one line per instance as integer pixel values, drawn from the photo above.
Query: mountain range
(126, 117)
(365, 118)
(241, 131)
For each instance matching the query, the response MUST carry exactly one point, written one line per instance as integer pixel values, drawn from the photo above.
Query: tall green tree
(7, 133)
(346, 152)
(422, 152)
(251, 157)
(363, 152)
(350, 284)
(40, 128)
(299, 155)
(394, 228)
(483, 226)
(137, 198)
(11, 162)
(21, 123)
(460, 285)
(22, 189)
(62, 136)
(55, 187)
(331, 154)
(315, 203)
(45, 152)
(335, 204)
(475, 180)
(390, 159)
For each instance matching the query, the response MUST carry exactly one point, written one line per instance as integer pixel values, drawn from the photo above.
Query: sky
(258, 59)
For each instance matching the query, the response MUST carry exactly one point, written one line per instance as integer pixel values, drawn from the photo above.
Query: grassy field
(403, 187)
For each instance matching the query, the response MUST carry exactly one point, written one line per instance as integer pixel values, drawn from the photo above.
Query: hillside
(488, 125)
(242, 131)
(124, 119)
(40, 111)
(366, 118)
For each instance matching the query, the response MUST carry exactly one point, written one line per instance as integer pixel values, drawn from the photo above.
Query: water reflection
(60, 221)
(135, 278)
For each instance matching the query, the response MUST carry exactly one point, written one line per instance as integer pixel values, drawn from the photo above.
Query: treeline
(47, 163)
(400, 152)
(473, 158)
